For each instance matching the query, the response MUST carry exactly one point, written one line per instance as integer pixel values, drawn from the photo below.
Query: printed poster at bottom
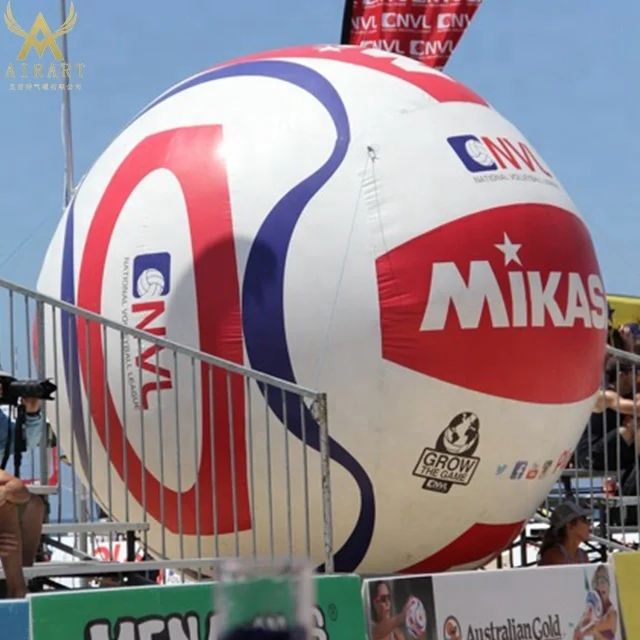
(401, 608)
(184, 612)
(627, 567)
(552, 603)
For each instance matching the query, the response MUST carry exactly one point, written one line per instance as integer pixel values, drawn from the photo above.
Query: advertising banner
(550, 603)
(627, 569)
(182, 612)
(425, 30)
(14, 619)
(623, 310)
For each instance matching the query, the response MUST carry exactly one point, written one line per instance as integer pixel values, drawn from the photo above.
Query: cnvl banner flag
(425, 30)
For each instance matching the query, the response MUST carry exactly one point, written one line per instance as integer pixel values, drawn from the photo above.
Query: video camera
(11, 389)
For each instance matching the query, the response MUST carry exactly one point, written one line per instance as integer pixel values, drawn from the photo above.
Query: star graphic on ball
(510, 250)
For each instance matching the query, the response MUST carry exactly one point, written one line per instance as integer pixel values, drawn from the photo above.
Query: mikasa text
(532, 298)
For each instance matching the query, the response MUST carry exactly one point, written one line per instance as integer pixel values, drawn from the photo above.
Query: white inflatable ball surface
(357, 223)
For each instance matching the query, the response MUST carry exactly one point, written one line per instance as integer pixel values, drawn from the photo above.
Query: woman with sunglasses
(385, 625)
(569, 528)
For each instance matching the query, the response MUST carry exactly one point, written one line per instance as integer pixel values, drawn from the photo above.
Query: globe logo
(461, 436)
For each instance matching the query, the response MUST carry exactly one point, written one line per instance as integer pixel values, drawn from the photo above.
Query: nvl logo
(405, 21)
(452, 21)
(151, 284)
(482, 154)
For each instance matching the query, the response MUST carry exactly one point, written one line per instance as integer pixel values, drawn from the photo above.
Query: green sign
(183, 612)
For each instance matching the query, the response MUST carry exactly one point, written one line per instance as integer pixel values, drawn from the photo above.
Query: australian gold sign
(54, 74)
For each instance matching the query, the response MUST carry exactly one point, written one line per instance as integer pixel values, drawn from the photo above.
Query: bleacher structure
(29, 311)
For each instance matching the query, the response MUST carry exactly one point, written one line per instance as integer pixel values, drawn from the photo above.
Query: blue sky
(563, 72)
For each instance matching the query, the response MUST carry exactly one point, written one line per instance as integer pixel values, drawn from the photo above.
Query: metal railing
(219, 459)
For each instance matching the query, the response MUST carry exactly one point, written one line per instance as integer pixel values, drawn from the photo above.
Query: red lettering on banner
(401, 21)
(452, 21)
(364, 23)
(422, 48)
(189, 154)
(427, 30)
(393, 46)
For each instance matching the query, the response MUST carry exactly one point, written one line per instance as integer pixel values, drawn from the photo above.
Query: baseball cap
(567, 512)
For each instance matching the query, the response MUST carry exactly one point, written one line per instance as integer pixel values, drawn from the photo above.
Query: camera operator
(34, 425)
(21, 513)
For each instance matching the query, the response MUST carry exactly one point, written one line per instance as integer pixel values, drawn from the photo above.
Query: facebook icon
(518, 470)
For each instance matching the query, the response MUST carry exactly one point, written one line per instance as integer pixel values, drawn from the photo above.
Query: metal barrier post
(41, 369)
(321, 415)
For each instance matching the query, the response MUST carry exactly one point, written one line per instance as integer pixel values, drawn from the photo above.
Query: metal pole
(320, 413)
(67, 145)
(83, 537)
(42, 373)
(67, 140)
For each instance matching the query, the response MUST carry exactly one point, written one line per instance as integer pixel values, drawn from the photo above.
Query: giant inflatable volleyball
(357, 223)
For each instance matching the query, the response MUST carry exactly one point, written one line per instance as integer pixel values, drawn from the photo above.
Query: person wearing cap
(569, 528)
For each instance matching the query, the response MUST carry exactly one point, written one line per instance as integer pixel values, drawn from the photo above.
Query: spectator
(21, 513)
(606, 444)
(569, 527)
(21, 517)
(623, 338)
